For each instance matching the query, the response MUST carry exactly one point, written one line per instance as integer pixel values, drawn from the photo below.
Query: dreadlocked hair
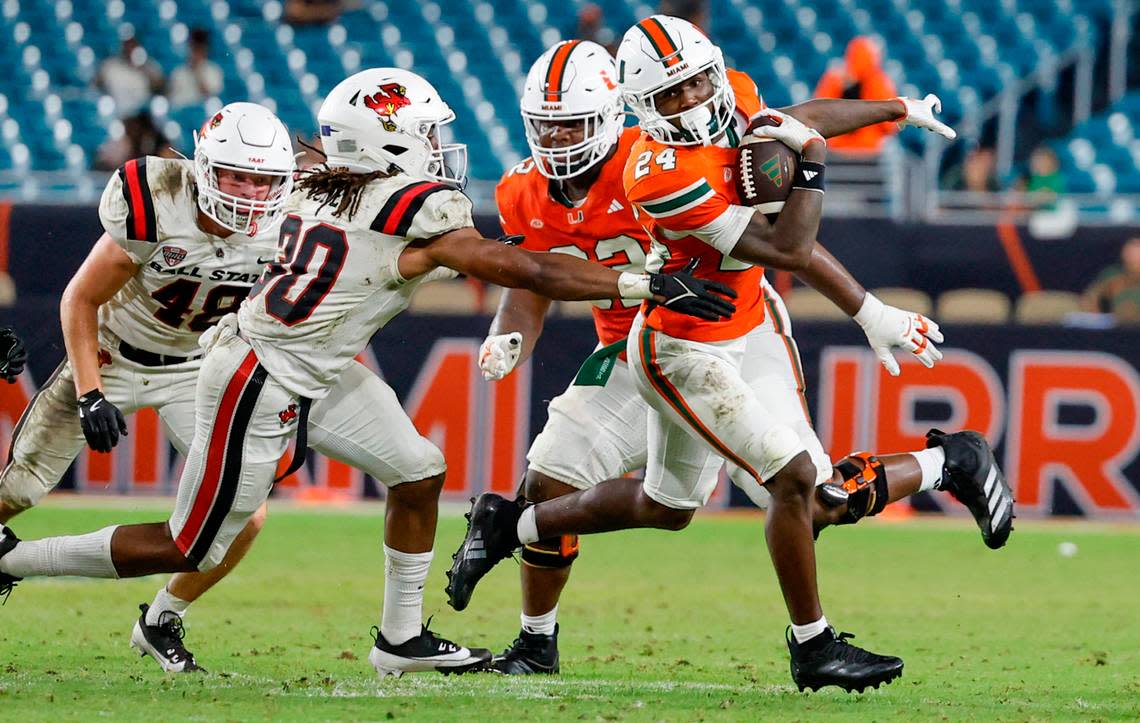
(337, 186)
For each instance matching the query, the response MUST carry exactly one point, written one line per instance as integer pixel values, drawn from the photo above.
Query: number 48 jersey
(335, 280)
(187, 278)
(601, 228)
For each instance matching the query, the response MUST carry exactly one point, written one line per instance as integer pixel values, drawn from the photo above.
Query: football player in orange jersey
(596, 428)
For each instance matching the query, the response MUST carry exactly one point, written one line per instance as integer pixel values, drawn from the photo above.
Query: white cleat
(424, 653)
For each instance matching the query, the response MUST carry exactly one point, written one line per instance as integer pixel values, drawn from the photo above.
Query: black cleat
(530, 654)
(163, 642)
(8, 542)
(972, 476)
(425, 652)
(828, 659)
(491, 537)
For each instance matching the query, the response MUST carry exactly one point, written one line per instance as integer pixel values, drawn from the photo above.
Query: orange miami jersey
(602, 228)
(686, 198)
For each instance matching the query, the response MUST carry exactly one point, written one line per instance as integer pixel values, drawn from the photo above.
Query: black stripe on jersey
(395, 219)
(231, 468)
(141, 222)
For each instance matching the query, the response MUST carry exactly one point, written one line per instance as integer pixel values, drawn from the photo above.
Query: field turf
(655, 626)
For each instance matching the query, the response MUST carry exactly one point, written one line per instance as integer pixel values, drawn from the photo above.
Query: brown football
(764, 171)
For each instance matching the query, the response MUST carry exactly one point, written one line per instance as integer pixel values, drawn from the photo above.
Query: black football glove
(13, 355)
(686, 294)
(102, 421)
(511, 239)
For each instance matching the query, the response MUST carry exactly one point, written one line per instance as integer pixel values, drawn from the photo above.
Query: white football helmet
(661, 51)
(385, 117)
(243, 137)
(574, 80)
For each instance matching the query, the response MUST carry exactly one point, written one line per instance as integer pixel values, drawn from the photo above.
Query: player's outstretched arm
(558, 276)
(836, 116)
(886, 327)
(513, 333)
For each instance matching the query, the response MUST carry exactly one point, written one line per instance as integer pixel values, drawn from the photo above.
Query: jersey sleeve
(683, 202)
(423, 210)
(507, 205)
(127, 213)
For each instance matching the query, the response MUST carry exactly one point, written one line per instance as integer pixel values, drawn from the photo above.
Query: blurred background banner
(1066, 418)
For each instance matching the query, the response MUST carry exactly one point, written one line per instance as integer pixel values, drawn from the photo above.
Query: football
(764, 169)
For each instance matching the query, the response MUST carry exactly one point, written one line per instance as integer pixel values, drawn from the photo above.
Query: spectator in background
(131, 78)
(199, 78)
(140, 137)
(312, 12)
(592, 26)
(695, 11)
(1116, 290)
(1045, 173)
(861, 77)
(976, 173)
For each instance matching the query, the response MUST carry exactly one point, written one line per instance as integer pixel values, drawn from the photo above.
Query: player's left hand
(888, 327)
(13, 355)
(498, 355)
(920, 114)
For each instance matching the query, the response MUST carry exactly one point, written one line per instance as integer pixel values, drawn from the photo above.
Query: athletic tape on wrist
(808, 176)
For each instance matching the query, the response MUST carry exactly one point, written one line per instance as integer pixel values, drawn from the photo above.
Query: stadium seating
(1103, 153)
(973, 306)
(477, 53)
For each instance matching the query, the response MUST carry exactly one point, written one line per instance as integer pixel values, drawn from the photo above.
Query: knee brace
(865, 485)
(554, 553)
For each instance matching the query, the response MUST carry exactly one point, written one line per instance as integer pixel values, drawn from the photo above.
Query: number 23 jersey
(187, 279)
(602, 228)
(335, 280)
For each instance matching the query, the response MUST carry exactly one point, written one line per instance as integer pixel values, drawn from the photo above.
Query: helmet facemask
(237, 213)
(698, 126)
(599, 133)
(446, 162)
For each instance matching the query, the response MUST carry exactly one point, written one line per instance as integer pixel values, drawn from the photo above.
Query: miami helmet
(574, 80)
(246, 138)
(660, 52)
(385, 118)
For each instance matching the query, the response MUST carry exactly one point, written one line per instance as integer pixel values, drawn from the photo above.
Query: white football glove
(789, 131)
(920, 114)
(888, 327)
(499, 354)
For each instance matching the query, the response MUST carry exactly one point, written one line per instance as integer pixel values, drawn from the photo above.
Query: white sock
(527, 528)
(803, 633)
(404, 576)
(83, 555)
(931, 461)
(540, 624)
(165, 602)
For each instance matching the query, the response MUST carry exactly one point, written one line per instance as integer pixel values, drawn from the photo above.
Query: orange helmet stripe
(557, 70)
(666, 49)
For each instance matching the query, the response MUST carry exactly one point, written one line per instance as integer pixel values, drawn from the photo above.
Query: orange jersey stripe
(666, 49)
(557, 70)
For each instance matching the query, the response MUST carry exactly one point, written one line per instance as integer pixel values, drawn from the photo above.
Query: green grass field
(655, 626)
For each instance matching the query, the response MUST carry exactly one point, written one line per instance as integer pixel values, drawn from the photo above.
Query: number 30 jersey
(187, 279)
(601, 228)
(335, 280)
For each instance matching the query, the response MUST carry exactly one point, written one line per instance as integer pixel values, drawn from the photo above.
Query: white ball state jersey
(187, 279)
(335, 281)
